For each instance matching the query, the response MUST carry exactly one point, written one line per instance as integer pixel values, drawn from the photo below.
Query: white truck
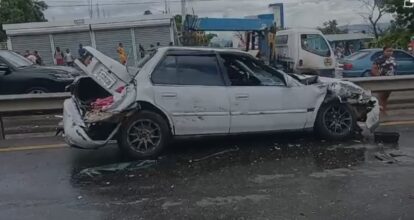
(304, 51)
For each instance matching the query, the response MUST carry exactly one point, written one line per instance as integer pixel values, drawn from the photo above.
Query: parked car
(19, 75)
(188, 92)
(359, 64)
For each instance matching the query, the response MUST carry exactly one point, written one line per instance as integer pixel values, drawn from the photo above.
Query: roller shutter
(71, 41)
(107, 42)
(151, 35)
(41, 43)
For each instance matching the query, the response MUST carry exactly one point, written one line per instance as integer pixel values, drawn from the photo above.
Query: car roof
(378, 49)
(205, 49)
(299, 30)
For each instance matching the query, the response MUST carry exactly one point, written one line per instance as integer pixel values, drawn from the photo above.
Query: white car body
(194, 110)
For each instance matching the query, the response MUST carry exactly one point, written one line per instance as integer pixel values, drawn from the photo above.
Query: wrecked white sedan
(182, 92)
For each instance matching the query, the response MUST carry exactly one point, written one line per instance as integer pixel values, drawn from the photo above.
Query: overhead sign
(279, 14)
(408, 3)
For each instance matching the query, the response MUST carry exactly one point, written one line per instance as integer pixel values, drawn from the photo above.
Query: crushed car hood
(337, 87)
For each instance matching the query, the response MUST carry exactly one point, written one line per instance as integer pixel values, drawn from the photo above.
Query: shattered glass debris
(112, 168)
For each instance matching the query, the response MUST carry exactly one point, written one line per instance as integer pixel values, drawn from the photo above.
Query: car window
(188, 70)
(15, 59)
(316, 44)
(246, 71)
(399, 55)
(166, 71)
(357, 55)
(282, 40)
(376, 55)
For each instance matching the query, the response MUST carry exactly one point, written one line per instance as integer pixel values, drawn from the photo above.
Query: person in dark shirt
(384, 65)
(81, 51)
(39, 60)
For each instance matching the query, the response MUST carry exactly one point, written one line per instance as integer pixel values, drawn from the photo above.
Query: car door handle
(242, 96)
(169, 95)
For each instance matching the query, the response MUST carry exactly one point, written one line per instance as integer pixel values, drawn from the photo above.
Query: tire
(335, 121)
(144, 135)
(37, 90)
(366, 74)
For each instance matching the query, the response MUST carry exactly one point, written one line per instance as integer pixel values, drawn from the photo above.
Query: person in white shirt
(69, 59)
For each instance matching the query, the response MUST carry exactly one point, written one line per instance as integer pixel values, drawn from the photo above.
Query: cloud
(299, 13)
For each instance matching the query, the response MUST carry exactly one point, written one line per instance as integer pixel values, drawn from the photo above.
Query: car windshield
(15, 59)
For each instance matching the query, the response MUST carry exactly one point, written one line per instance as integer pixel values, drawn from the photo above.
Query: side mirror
(4, 69)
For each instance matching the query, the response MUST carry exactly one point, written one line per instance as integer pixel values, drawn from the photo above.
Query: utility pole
(98, 15)
(183, 12)
(166, 7)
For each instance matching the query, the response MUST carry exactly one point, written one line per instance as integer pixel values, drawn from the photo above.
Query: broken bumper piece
(373, 117)
(74, 127)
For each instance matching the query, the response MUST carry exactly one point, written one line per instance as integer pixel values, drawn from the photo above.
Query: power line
(133, 3)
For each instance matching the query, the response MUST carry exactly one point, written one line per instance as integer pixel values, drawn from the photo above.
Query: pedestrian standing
(81, 51)
(32, 58)
(384, 65)
(121, 53)
(39, 60)
(69, 59)
(59, 57)
(26, 53)
(141, 51)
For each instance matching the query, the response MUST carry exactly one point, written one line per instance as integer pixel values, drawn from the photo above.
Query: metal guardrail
(30, 104)
(33, 104)
(385, 83)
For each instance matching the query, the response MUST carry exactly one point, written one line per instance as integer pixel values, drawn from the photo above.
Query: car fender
(145, 94)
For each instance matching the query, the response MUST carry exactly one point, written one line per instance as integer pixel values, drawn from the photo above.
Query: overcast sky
(298, 13)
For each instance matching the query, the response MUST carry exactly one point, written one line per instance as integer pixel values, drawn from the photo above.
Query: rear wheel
(366, 74)
(335, 121)
(144, 135)
(36, 90)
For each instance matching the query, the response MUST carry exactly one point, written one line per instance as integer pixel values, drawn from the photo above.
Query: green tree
(331, 27)
(402, 27)
(404, 17)
(20, 11)
(375, 11)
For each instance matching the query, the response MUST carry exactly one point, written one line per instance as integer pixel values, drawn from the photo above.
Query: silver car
(185, 92)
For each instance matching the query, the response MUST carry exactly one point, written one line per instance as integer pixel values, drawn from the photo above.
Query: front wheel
(144, 135)
(335, 121)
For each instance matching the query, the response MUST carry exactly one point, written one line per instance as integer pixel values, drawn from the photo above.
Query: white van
(305, 51)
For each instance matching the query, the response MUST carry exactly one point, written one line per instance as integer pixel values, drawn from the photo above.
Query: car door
(405, 63)
(9, 79)
(191, 89)
(260, 100)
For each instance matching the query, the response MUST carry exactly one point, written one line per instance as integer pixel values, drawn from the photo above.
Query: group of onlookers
(67, 58)
(34, 57)
(60, 58)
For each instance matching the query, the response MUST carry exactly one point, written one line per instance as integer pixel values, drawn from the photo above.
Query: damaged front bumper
(365, 105)
(75, 128)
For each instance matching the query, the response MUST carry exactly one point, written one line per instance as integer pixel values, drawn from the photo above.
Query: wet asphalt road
(284, 176)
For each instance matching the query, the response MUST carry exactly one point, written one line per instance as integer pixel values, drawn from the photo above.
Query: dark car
(359, 64)
(19, 75)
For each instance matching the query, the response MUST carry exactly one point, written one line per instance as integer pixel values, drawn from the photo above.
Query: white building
(103, 34)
